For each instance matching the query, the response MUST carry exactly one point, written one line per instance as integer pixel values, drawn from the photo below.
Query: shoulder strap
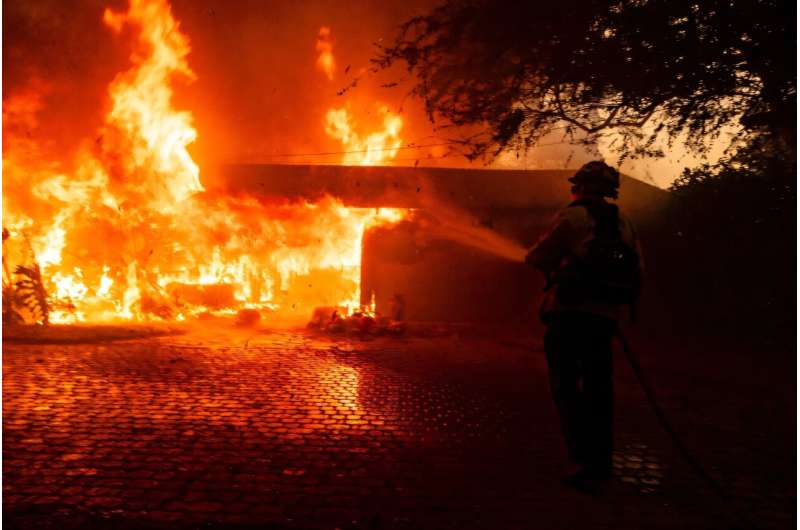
(605, 216)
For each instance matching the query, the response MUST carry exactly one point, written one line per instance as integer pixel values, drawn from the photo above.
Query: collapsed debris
(336, 320)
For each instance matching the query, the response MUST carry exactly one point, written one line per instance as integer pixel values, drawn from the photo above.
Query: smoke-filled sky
(258, 92)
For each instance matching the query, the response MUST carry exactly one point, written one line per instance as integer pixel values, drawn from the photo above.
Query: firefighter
(590, 258)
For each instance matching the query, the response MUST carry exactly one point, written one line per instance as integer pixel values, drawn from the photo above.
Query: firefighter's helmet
(597, 173)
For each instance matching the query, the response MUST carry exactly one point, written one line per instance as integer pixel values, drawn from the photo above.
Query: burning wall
(128, 226)
(446, 260)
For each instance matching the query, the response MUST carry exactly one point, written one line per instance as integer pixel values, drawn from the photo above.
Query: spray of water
(456, 225)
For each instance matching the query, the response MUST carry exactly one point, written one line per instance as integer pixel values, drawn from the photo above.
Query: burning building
(455, 252)
(127, 227)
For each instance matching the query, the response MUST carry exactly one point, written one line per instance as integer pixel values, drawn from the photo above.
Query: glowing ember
(124, 228)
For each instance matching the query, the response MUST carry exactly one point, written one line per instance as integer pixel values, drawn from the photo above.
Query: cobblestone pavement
(284, 430)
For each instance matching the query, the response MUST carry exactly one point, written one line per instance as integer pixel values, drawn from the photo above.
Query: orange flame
(374, 149)
(125, 230)
(141, 98)
(325, 61)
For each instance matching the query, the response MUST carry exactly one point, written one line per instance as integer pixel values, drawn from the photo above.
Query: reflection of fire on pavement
(638, 466)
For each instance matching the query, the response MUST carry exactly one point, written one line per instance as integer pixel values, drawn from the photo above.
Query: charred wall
(438, 279)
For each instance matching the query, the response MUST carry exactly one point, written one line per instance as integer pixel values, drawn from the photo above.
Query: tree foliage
(520, 70)
(29, 292)
(24, 292)
(733, 229)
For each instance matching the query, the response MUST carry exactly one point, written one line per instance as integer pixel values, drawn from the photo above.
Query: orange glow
(326, 62)
(364, 150)
(123, 229)
(373, 149)
(142, 109)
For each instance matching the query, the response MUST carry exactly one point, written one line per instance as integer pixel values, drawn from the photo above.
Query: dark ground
(221, 429)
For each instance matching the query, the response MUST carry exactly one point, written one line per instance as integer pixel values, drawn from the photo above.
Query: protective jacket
(566, 238)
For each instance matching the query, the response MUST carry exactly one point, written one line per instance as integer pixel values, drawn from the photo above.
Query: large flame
(373, 149)
(124, 228)
(360, 149)
(142, 108)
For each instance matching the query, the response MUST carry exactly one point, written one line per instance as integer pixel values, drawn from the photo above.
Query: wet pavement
(287, 430)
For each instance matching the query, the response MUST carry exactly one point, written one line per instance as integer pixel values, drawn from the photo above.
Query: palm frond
(31, 293)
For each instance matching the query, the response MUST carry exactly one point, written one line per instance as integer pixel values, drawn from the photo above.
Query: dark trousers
(580, 360)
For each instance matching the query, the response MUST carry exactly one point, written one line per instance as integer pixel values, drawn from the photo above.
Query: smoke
(267, 74)
(663, 171)
(59, 54)
(259, 94)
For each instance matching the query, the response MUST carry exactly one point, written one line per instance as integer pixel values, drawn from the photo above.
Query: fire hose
(740, 519)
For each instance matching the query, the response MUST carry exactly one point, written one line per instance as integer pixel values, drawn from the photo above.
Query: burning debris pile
(336, 320)
(124, 228)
